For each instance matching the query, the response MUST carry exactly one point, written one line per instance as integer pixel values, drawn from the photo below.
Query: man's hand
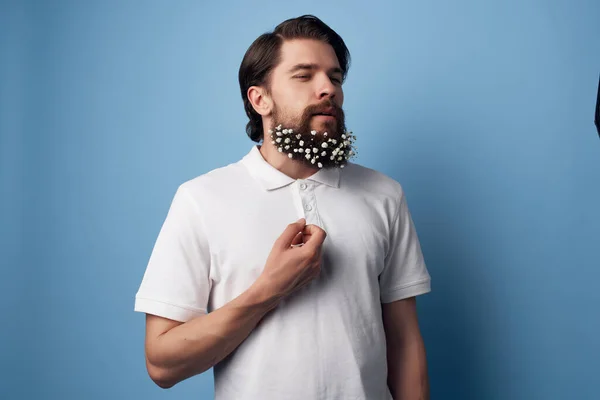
(176, 351)
(295, 259)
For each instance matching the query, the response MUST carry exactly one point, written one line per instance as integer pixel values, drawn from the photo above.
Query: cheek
(290, 111)
(294, 108)
(340, 97)
(290, 103)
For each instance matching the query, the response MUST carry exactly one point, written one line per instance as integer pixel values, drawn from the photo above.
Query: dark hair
(264, 54)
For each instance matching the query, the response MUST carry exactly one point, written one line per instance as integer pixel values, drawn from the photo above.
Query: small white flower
(320, 165)
(278, 133)
(295, 150)
(334, 141)
(324, 153)
(287, 147)
(350, 152)
(331, 158)
(340, 158)
(346, 142)
(301, 143)
(325, 134)
(315, 150)
(324, 145)
(343, 136)
(285, 131)
(335, 151)
(298, 136)
(307, 151)
(280, 149)
(278, 140)
(342, 166)
(312, 161)
(308, 156)
(270, 131)
(290, 131)
(279, 127)
(313, 133)
(290, 155)
(287, 140)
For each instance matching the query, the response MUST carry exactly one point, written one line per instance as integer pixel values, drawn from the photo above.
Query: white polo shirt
(324, 342)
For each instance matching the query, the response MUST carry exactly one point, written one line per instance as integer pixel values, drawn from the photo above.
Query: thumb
(290, 232)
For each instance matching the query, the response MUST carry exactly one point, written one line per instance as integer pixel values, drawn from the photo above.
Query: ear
(261, 102)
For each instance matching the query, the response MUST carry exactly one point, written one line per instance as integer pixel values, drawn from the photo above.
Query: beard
(329, 147)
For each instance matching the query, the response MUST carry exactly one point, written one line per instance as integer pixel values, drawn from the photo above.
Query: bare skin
(176, 351)
(293, 89)
(406, 356)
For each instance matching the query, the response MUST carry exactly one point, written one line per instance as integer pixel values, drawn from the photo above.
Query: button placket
(307, 197)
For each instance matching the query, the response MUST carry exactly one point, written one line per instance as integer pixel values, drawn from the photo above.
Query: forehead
(307, 51)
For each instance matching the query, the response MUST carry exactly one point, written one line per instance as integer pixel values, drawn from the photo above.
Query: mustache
(326, 106)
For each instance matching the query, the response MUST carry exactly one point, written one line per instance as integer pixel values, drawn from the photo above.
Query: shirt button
(308, 207)
(303, 186)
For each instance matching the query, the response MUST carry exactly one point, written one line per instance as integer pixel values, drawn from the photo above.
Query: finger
(299, 239)
(313, 245)
(314, 235)
(289, 234)
(307, 232)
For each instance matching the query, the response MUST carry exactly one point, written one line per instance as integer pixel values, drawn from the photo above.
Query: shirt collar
(271, 178)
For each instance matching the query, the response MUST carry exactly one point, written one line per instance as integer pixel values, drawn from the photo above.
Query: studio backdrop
(482, 110)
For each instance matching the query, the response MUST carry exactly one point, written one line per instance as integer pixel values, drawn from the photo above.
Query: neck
(292, 168)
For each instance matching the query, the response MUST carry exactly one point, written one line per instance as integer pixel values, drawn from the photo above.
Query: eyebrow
(298, 67)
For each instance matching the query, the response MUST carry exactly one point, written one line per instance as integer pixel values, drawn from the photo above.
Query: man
(320, 308)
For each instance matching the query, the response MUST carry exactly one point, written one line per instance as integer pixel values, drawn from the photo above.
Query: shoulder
(359, 178)
(215, 182)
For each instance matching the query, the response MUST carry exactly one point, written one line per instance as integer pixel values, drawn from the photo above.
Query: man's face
(306, 91)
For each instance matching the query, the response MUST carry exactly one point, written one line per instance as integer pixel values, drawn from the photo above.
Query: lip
(325, 117)
(329, 110)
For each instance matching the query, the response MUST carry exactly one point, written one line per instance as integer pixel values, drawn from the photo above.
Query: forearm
(197, 345)
(407, 369)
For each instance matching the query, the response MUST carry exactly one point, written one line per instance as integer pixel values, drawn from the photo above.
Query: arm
(176, 351)
(407, 364)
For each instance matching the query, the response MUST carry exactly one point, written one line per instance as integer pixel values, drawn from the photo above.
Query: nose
(326, 89)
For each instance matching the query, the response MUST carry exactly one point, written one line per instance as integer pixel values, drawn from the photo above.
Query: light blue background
(482, 110)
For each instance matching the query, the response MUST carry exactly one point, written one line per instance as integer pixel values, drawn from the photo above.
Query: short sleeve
(405, 273)
(176, 282)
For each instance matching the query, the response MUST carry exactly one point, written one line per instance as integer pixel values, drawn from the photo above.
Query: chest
(242, 236)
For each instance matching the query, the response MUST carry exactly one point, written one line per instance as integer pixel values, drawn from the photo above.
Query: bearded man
(294, 271)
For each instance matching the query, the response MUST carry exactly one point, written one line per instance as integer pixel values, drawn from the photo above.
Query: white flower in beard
(335, 152)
